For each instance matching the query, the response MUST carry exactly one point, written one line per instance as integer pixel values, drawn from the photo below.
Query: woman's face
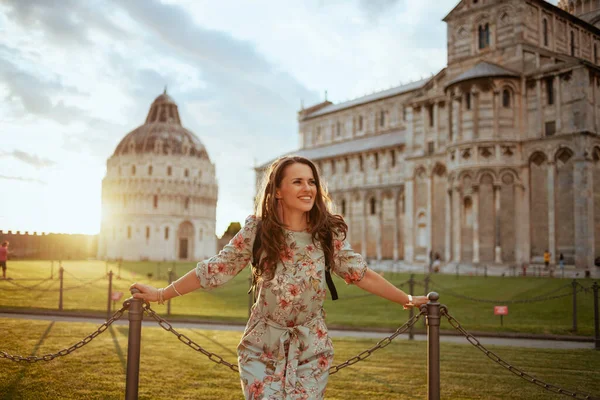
(298, 188)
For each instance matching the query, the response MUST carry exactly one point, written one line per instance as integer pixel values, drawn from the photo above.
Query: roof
(350, 147)
(162, 133)
(370, 97)
(482, 70)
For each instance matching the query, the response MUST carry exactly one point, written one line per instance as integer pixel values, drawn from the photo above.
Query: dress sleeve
(348, 265)
(233, 258)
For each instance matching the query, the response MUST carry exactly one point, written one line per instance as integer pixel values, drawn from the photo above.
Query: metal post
(596, 319)
(574, 284)
(433, 346)
(411, 288)
(60, 295)
(133, 347)
(108, 310)
(169, 301)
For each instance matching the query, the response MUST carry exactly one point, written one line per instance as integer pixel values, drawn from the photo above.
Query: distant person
(3, 257)
(437, 263)
(285, 351)
(547, 259)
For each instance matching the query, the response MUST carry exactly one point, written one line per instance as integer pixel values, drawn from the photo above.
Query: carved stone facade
(159, 196)
(495, 159)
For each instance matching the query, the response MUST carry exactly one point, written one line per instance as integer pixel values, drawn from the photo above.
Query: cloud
(22, 179)
(32, 159)
(375, 8)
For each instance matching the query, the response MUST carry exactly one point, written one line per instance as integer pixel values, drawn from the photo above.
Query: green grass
(169, 369)
(354, 309)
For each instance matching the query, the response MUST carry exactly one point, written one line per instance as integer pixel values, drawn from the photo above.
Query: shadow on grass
(12, 389)
(118, 346)
(227, 349)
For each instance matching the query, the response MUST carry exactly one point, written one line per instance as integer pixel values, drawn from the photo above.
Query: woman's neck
(295, 221)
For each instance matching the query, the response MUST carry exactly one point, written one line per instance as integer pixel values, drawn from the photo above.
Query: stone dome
(162, 133)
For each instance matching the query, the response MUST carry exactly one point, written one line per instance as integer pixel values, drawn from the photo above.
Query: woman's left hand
(418, 301)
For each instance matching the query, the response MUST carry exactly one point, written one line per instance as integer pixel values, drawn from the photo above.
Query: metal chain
(81, 280)
(539, 298)
(23, 287)
(219, 360)
(51, 289)
(380, 345)
(69, 350)
(529, 378)
(186, 340)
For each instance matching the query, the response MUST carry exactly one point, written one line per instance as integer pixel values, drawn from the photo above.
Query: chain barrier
(49, 357)
(186, 340)
(543, 297)
(81, 280)
(380, 345)
(220, 360)
(520, 373)
(23, 287)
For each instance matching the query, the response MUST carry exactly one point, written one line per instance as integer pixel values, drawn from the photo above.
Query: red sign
(500, 310)
(116, 296)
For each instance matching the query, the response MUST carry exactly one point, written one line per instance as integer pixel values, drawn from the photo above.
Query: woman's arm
(374, 283)
(187, 283)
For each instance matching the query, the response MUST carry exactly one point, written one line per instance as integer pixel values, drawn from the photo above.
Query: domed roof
(162, 133)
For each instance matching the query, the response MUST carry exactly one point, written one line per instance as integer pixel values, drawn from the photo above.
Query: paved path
(531, 343)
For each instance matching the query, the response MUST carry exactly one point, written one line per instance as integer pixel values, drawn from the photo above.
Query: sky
(77, 76)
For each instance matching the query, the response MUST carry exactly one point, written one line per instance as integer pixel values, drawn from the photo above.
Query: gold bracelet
(173, 286)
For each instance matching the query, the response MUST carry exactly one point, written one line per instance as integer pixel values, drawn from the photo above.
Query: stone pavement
(497, 341)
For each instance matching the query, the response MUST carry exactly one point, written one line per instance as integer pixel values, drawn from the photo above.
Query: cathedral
(495, 159)
(159, 195)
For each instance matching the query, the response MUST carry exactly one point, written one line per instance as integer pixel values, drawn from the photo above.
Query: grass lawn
(354, 309)
(169, 369)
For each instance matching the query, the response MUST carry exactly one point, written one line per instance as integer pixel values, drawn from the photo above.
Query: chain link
(69, 350)
(543, 297)
(520, 373)
(186, 340)
(23, 287)
(380, 345)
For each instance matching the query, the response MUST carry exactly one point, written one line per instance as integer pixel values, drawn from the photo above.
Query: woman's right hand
(147, 292)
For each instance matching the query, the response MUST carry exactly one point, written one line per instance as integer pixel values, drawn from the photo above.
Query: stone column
(518, 222)
(457, 215)
(409, 224)
(459, 118)
(540, 119)
(396, 232)
(448, 233)
(583, 184)
(551, 211)
(475, 107)
(475, 197)
(379, 202)
(558, 102)
(498, 247)
(429, 214)
(496, 108)
(425, 125)
(363, 248)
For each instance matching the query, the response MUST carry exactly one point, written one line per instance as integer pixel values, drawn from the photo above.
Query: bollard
(574, 284)
(110, 276)
(596, 320)
(433, 346)
(411, 313)
(60, 293)
(169, 301)
(133, 347)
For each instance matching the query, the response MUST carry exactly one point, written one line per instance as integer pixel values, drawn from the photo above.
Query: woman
(285, 352)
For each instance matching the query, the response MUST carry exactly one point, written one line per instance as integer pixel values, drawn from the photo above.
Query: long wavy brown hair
(323, 224)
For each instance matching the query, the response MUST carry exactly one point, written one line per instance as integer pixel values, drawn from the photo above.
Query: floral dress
(285, 352)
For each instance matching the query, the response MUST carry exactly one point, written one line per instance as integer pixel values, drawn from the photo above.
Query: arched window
(147, 232)
(155, 201)
(133, 170)
(333, 167)
(360, 163)
(166, 233)
(360, 123)
(376, 159)
(169, 170)
(545, 32)
(346, 165)
(382, 118)
(373, 205)
(338, 128)
(150, 170)
(506, 98)
(468, 100)
(393, 158)
(186, 173)
(186, 203)
(484, 36)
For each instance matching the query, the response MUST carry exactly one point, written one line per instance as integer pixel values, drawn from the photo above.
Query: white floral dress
(285, 352)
